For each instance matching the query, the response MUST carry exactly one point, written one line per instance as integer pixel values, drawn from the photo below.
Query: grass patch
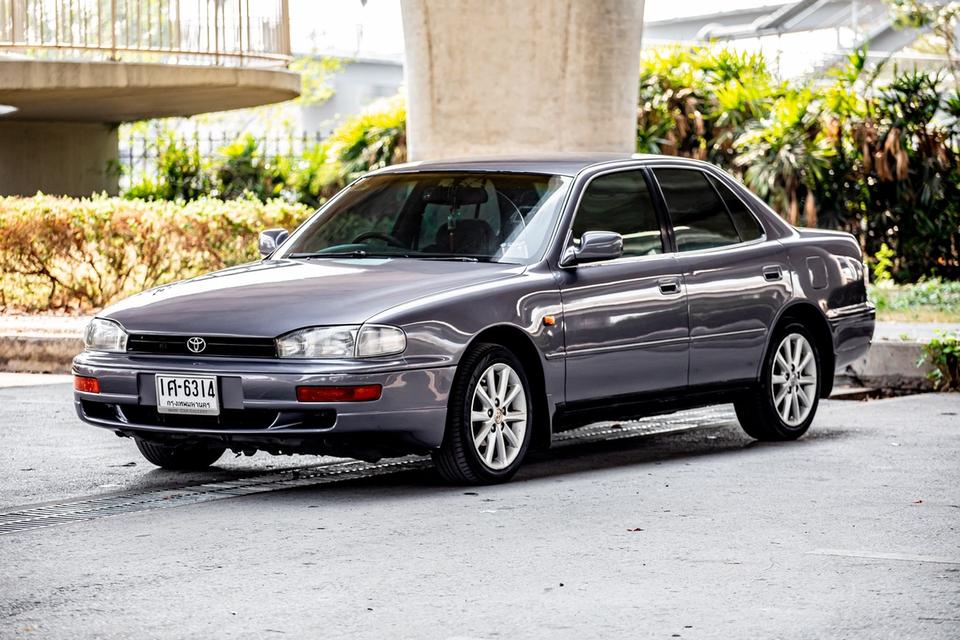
(931, 300)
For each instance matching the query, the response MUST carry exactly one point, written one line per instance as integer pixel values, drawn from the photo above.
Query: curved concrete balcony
(121, 60)
(70, 70)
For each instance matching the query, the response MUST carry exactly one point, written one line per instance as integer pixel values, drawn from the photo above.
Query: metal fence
(219, 32)
(139, 154)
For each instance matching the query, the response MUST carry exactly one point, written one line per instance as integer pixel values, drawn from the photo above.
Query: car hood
(269, 298)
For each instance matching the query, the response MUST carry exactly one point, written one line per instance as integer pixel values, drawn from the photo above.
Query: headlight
(318, 342)
(342, 342)
(105, 335)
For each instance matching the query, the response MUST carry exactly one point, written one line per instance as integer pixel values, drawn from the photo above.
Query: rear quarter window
(700, 218)
(747, 225)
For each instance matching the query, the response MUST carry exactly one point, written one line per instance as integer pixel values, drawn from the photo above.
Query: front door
(625, 320)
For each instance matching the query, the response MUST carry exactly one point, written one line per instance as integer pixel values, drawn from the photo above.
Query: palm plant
(695, 101)
(785, 154)
(913, 203)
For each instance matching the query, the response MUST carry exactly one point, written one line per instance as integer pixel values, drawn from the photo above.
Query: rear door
(625, 320)
(736, 280)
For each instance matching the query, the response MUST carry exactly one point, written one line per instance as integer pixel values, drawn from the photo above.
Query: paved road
(852, 532)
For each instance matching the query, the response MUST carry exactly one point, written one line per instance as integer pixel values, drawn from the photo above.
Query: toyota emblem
(196, 345)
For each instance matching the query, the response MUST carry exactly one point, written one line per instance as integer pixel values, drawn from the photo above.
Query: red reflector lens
(88, 385)
(362, 393)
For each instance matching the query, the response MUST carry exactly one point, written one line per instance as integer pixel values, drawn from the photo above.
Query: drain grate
(71, 511)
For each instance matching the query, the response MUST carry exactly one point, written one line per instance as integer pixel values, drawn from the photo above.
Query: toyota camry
(472, 309)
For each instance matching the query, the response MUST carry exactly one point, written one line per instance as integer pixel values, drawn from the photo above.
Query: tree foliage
(879, 160)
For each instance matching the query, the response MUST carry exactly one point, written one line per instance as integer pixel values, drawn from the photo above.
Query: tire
(181, 457)
(460, 459)
(760, 413)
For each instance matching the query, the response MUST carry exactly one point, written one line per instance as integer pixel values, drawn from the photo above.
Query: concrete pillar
(518, 76)
(58, 158)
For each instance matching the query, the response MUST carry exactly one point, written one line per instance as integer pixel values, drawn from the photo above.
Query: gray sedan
(472, 309)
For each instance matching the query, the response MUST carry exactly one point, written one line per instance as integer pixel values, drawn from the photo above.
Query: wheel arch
(813, 319)
(521, 344)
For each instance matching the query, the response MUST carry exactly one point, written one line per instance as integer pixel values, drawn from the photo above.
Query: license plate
(190, 395)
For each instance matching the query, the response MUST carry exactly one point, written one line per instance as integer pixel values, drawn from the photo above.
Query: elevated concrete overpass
(513, 76)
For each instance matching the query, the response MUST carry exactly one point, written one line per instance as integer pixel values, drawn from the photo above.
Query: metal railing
(218, 32)
(139, 154)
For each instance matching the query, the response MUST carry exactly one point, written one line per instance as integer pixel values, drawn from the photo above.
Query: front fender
(440, 327)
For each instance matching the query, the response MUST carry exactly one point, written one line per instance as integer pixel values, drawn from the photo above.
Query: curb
(891, 365)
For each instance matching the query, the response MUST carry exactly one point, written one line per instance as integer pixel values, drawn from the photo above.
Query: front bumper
(259, 403)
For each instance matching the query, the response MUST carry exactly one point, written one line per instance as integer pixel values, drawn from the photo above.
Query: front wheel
(785, 402)
(179, 457)
(489, 419)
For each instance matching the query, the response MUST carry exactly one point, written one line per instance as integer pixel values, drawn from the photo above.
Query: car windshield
(495, 217)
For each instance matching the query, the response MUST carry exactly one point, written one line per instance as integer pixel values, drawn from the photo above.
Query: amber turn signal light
(87, 385)
(359, 393)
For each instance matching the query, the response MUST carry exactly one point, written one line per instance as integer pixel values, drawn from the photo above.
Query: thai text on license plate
(190, 395)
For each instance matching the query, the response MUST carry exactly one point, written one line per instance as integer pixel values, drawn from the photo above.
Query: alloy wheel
(498, 416)
(793, 379)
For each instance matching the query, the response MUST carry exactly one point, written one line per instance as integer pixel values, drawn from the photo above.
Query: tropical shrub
(370, 140)
(694, 102)
(784, 155)
(879, 160)
(243, 171)
(943, 352)
(909, 169)
(79, 254)
(181, 172)
(373, 139)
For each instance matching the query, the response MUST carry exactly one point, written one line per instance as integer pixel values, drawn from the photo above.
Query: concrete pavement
(851, 532)
(48, 454)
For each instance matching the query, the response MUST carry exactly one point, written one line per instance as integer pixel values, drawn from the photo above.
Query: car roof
(565, 164)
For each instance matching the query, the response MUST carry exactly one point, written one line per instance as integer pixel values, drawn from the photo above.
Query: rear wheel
(784, 404)
(489, 419)
(179, 457)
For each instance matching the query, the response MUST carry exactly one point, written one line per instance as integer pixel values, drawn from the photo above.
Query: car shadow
(640, 453)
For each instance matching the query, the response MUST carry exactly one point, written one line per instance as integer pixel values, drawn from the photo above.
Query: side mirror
(271, 239)
(594, 246)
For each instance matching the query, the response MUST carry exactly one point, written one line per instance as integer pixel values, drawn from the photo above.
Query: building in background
(72, 70)
(798, 37)
(358, 83)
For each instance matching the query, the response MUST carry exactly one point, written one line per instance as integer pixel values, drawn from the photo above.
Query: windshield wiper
(357, 253)
(361, 253)
(452, 258)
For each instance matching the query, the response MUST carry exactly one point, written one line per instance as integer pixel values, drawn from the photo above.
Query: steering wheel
(379, 235)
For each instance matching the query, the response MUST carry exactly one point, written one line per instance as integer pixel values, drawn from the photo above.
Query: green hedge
(80, 254)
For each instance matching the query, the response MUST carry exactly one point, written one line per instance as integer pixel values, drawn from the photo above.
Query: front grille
(176, 345)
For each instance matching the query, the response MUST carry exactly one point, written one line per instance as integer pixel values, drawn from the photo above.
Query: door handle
(669, 286)
(772, 273)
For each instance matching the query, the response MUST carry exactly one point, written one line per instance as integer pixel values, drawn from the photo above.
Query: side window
(747, 225)
(700, 219)
(620, 202)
